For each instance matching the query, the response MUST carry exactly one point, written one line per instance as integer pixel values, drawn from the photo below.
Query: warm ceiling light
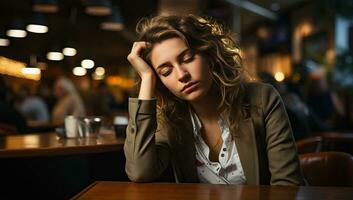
(279, 76)
(97, 77)
(87, 63)
(113, 22)
(31, 70)
(17, 29)
(4, 42)
(69, 51)
(16, 33)
(98, 11)
(45, 6)
(98, 7)
(36, 28)
(14, 68)
(112, 26)
(79, 71)
(55, 56)
(100, 71)
(37, 23)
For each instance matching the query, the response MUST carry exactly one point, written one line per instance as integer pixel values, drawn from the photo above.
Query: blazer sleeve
(281, 149)
(146, 149)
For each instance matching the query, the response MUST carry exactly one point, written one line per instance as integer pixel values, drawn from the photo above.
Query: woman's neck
(207, 108)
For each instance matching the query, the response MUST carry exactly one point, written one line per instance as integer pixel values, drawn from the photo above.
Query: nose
(183, 75)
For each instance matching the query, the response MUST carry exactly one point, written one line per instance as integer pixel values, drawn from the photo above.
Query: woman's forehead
(166, 50)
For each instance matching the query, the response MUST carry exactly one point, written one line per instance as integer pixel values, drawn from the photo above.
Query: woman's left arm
(281, 149)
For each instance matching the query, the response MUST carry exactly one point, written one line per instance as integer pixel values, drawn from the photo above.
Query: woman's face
(185, 74)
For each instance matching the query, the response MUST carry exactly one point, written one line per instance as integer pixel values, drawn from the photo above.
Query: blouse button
(132, 130)
(224, 149)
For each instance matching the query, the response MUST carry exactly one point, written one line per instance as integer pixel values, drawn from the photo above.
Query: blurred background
(302, 47)
(68, 57)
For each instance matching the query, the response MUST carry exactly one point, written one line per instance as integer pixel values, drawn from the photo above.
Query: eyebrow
(178, 57)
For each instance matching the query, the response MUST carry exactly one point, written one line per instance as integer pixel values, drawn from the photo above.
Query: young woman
(196, 111)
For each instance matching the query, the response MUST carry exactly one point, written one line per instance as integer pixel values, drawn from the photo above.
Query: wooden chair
(327, 168)
(330, 141)
(335, 141)
(309, 145)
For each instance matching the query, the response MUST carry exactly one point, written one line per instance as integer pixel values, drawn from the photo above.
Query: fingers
(135, 59)
(137, 47)
(141, 43)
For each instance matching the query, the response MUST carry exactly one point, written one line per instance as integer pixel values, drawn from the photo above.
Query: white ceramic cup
(120, 124)
(71, 126)
(120, 120)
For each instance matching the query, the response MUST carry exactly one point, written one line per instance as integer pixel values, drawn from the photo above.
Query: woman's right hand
(137, 62)
(146, 73)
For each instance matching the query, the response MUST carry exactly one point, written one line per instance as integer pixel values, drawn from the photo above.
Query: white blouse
(228, 170)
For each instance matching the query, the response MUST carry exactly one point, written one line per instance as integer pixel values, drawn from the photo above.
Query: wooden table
(40, 127)
(49, 144)
(123, 190)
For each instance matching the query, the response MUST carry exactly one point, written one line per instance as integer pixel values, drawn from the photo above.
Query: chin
(194, 96)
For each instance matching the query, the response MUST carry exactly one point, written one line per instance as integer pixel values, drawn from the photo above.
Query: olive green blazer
(263, 138)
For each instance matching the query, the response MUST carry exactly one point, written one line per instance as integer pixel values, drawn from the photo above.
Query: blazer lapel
(186, 157)
(245, 141)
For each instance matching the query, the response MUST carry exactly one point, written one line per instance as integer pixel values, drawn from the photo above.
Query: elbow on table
(296, 181)
(140, 178)
(139, 175)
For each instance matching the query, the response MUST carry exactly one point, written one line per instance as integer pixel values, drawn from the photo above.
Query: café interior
(303, 48)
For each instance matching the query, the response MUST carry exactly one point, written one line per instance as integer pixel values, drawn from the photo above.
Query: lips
(189, 87)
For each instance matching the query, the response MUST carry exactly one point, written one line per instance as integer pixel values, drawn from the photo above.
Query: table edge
(82, 192)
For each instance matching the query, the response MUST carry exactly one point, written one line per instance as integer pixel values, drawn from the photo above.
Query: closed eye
(165, 71)
(188, 58)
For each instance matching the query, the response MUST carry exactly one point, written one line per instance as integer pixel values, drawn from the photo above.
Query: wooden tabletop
(36, 126)
(136, 191)
(49, 144)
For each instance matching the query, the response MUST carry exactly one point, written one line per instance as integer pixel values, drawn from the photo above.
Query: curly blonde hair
(208, 38)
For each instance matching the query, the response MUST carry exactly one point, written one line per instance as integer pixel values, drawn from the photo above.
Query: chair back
(335, 141)
(327, 168)
(309, 145)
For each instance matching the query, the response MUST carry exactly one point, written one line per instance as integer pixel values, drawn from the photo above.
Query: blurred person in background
(323, 101)
(32, 106)
(10, 119)
(69, 101)
(298, 111)
(103, 101)
(45, 91)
